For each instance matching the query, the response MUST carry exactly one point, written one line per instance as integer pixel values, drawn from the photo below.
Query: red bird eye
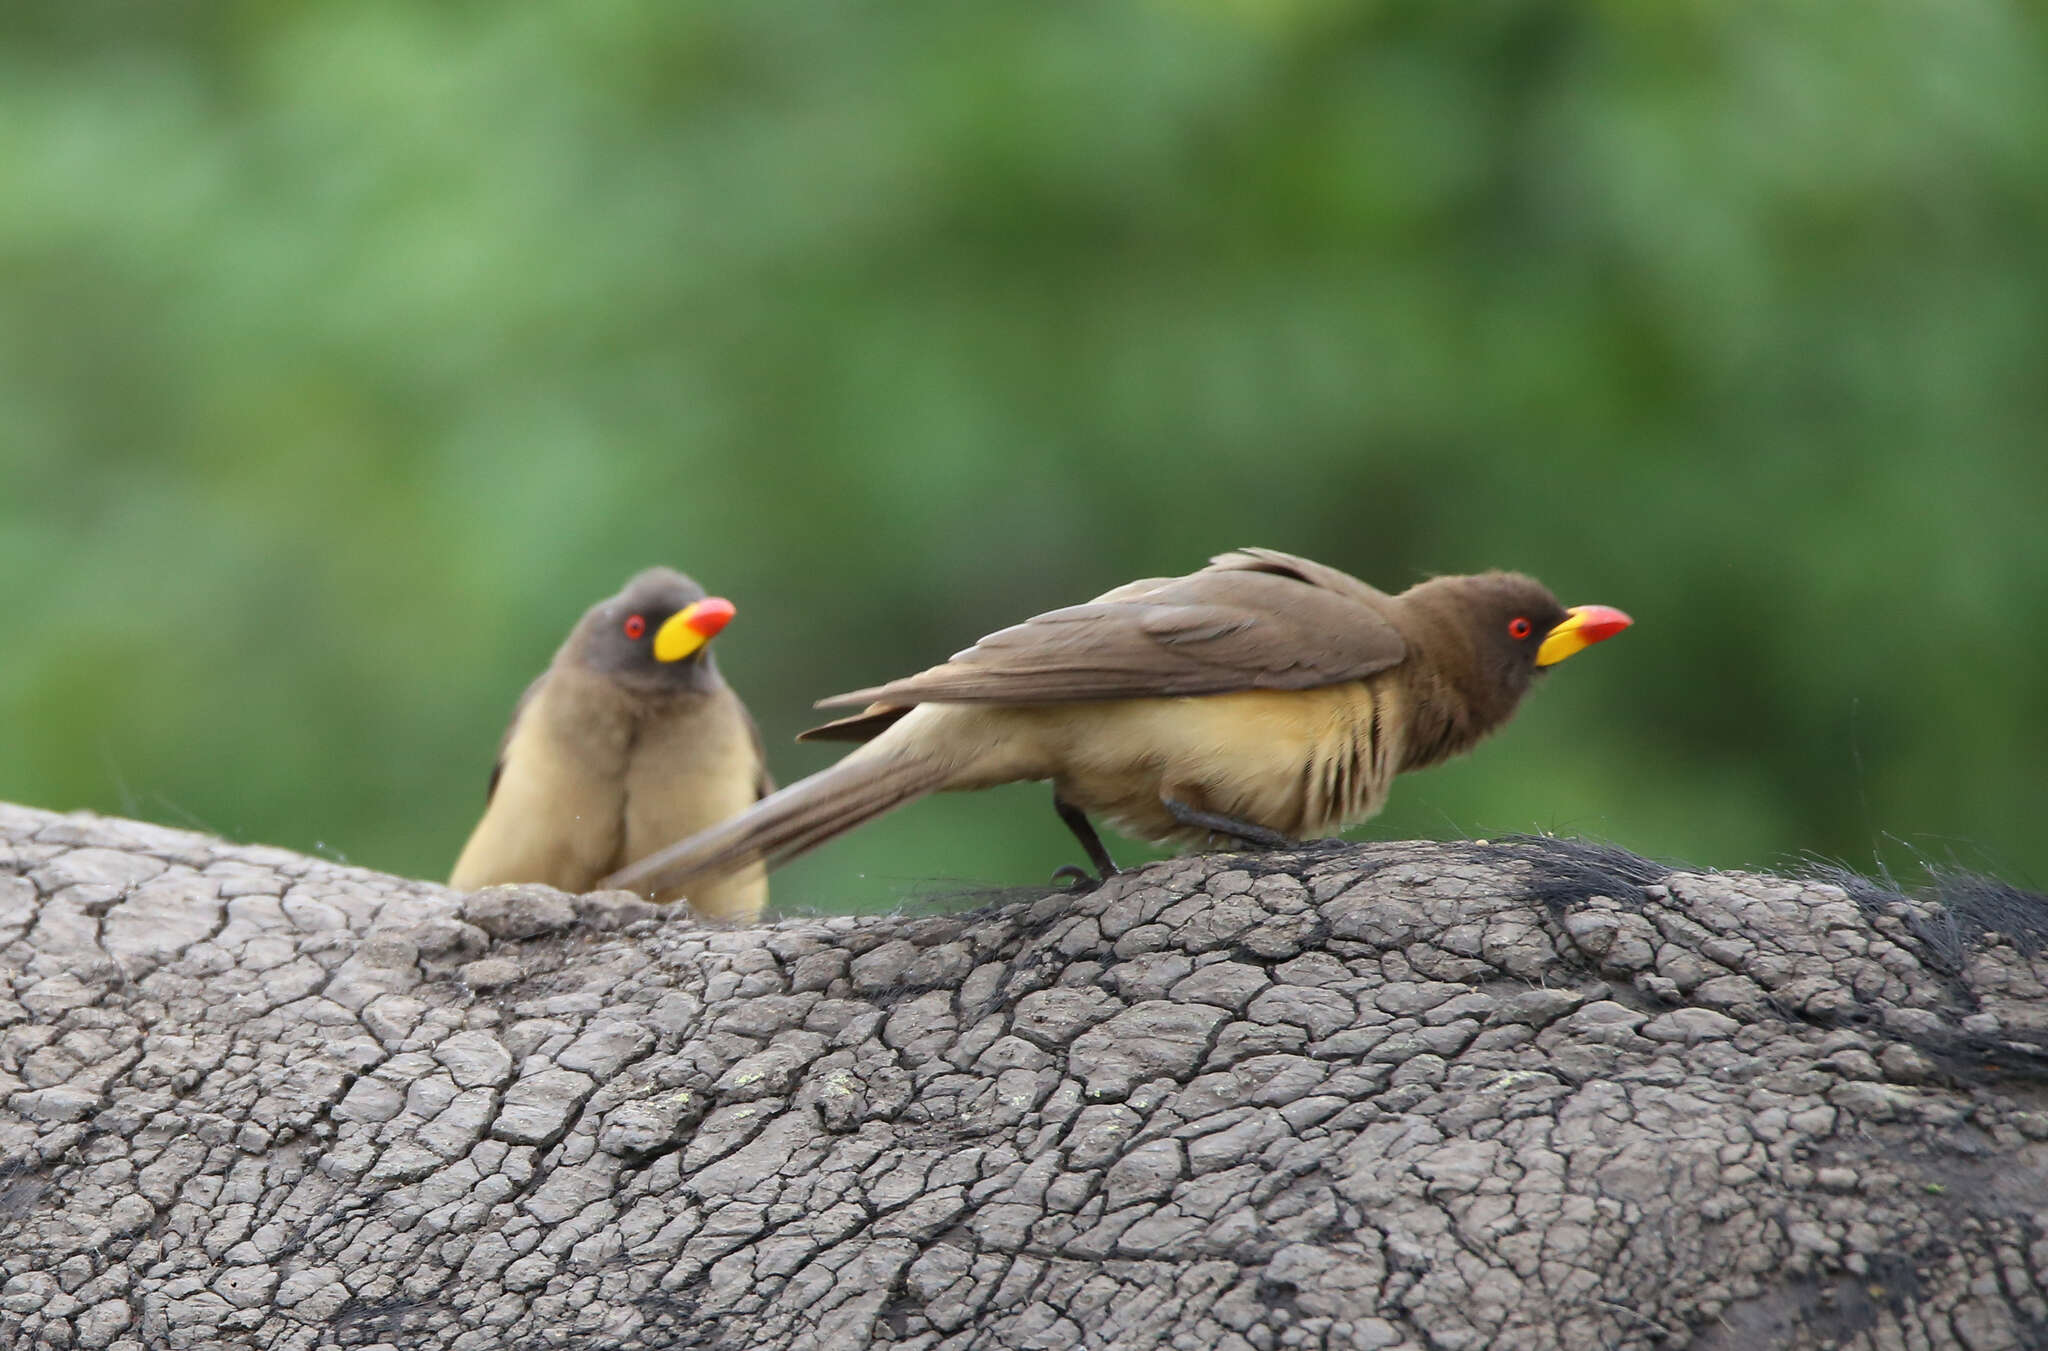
(1518, 628)
(636, 627)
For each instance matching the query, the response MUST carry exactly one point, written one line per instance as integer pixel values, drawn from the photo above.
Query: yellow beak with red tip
(691, 627)
(1584, 625)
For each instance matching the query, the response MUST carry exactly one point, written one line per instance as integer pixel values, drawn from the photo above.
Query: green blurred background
(349, 350)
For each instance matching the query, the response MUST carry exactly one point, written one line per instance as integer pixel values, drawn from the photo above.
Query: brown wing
(865, 725)
(1301, 569)
(1254, 619)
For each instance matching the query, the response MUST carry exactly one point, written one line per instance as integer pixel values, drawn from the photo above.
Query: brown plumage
(629, 741)
(1261, 698)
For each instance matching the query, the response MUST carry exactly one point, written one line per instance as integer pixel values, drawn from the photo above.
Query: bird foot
(1080, 881)
(1105, 867)
(1216, 823)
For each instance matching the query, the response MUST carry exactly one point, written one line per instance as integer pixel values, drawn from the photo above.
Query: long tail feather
(787, 823)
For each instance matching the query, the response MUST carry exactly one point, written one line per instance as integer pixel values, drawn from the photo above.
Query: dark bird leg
(1091, 844)
(1218, 824)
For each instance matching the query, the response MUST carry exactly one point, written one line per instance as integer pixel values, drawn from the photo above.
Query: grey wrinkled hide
(1445, 1096)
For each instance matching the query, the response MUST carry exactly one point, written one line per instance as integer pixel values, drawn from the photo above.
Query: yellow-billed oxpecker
(628, 742)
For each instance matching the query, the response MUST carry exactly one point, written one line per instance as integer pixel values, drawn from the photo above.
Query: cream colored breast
(1302, 762)
(691, 769)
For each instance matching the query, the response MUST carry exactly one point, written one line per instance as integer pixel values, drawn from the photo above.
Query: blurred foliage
(348, 350)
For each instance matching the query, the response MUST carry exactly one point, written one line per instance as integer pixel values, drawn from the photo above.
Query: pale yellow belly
(1302, 762)
(689, 774)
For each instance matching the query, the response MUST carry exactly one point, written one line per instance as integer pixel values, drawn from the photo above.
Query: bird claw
(1080, 879)
(1246, 833)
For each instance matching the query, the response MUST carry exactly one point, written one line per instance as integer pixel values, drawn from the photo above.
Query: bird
(1261, 699)
(629, 741)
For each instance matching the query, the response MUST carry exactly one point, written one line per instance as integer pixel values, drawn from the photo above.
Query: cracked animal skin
(1410, 1096)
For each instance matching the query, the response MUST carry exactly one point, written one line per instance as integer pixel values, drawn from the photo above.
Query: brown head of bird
(1476, 645)
(654, 636)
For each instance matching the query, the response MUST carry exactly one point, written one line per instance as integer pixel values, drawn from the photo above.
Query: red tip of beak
(1601, 621)
(713, 613)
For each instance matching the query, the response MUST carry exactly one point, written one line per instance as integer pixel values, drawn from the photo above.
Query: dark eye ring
(636, 627)
(1519, 628)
